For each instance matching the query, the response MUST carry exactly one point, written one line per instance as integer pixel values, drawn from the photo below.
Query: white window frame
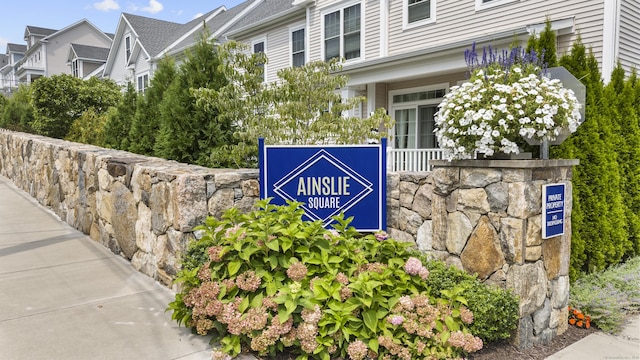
(127, 48)
(262, 40)
(145, 85)
(305, 50)
(405, 15)
(414, 104)
(341, 8)
(480, 5)
(76, 68)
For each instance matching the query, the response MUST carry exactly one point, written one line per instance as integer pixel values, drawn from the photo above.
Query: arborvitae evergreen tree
(146, 121)
(620, 94)
(546, 45)
(119, 118)
(188, 133)
(598, 221)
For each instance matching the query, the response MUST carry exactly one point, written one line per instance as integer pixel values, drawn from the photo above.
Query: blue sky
(57, 14)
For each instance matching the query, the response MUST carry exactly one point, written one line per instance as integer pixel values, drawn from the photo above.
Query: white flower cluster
(489, 114)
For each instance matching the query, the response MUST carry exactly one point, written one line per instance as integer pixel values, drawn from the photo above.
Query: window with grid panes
(297, 48)
(342, 30)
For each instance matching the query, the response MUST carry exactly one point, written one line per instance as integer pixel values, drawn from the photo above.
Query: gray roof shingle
(17, 48)
(90, 52)
(154, 34)
(34, 30)
(268, 9)
(214, 24)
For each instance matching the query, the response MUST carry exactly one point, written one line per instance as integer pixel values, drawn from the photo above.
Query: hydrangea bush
(270, 282)
(507, 98)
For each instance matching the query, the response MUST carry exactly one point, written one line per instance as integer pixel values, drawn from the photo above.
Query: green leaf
(451, 323)
(234, 267)
(244, 304)
(273, 245)
(257, 300)
(371, 320)
(374, 345)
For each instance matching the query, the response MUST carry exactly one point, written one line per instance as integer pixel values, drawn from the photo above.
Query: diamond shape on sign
(341, 177)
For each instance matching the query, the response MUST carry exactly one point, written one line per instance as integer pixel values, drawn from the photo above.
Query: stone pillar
(487, 218)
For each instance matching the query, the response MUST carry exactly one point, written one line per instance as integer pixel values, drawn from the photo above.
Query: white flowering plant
(506, 99)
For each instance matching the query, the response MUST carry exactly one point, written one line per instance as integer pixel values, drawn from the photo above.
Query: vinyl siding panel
(278, 52)
(119, 72)
(629, 41)
(459, 21)
(372, 29)
(278, 47)
(58, 46)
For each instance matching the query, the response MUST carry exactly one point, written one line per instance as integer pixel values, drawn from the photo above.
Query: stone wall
(481, 216)
(487, 218)
(142, 208)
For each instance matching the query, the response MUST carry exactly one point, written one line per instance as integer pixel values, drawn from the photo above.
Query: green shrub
(270, 282)
(495, 310)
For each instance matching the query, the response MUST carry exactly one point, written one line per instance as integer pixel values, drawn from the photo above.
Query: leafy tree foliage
(302, 107)
(187, 132)
(17, 112)
(89, 128)
(244, 100)
(146, 118)
(60, 99)
(119, 118)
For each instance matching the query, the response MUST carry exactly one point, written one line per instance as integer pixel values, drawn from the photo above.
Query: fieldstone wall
(487, 216)
(483, 216)
(142, 208)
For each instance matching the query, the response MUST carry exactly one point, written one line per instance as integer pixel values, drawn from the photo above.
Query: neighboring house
(404, 55)
(8, 79)
(47, 49)
(87, 61)
(141, 42)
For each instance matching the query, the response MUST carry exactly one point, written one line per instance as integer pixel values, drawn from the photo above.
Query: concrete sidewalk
(601, 346)
(64, 296)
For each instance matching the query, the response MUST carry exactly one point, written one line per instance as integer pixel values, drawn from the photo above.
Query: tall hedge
(188, 133)
(119, 118)
(624, 115)
(146, 120)
(599, 236)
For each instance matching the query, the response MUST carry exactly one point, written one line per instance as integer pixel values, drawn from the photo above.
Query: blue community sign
(553, 213)
(328, 180)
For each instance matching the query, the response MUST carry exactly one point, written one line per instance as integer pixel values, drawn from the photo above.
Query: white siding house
(405, 55)
(48, 50)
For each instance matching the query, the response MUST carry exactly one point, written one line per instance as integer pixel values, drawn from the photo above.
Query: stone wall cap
(514, 164)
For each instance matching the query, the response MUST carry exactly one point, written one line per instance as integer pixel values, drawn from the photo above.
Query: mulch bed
(504, 350)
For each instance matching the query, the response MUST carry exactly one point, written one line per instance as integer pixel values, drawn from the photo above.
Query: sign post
(328, 180)
(553, 210)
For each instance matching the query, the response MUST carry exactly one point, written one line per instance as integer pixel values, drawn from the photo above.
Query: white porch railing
(412, 159)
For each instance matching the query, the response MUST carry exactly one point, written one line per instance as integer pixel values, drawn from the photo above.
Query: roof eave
(274, 19)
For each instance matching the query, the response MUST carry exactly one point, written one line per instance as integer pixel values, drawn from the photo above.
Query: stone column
(487, 218)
